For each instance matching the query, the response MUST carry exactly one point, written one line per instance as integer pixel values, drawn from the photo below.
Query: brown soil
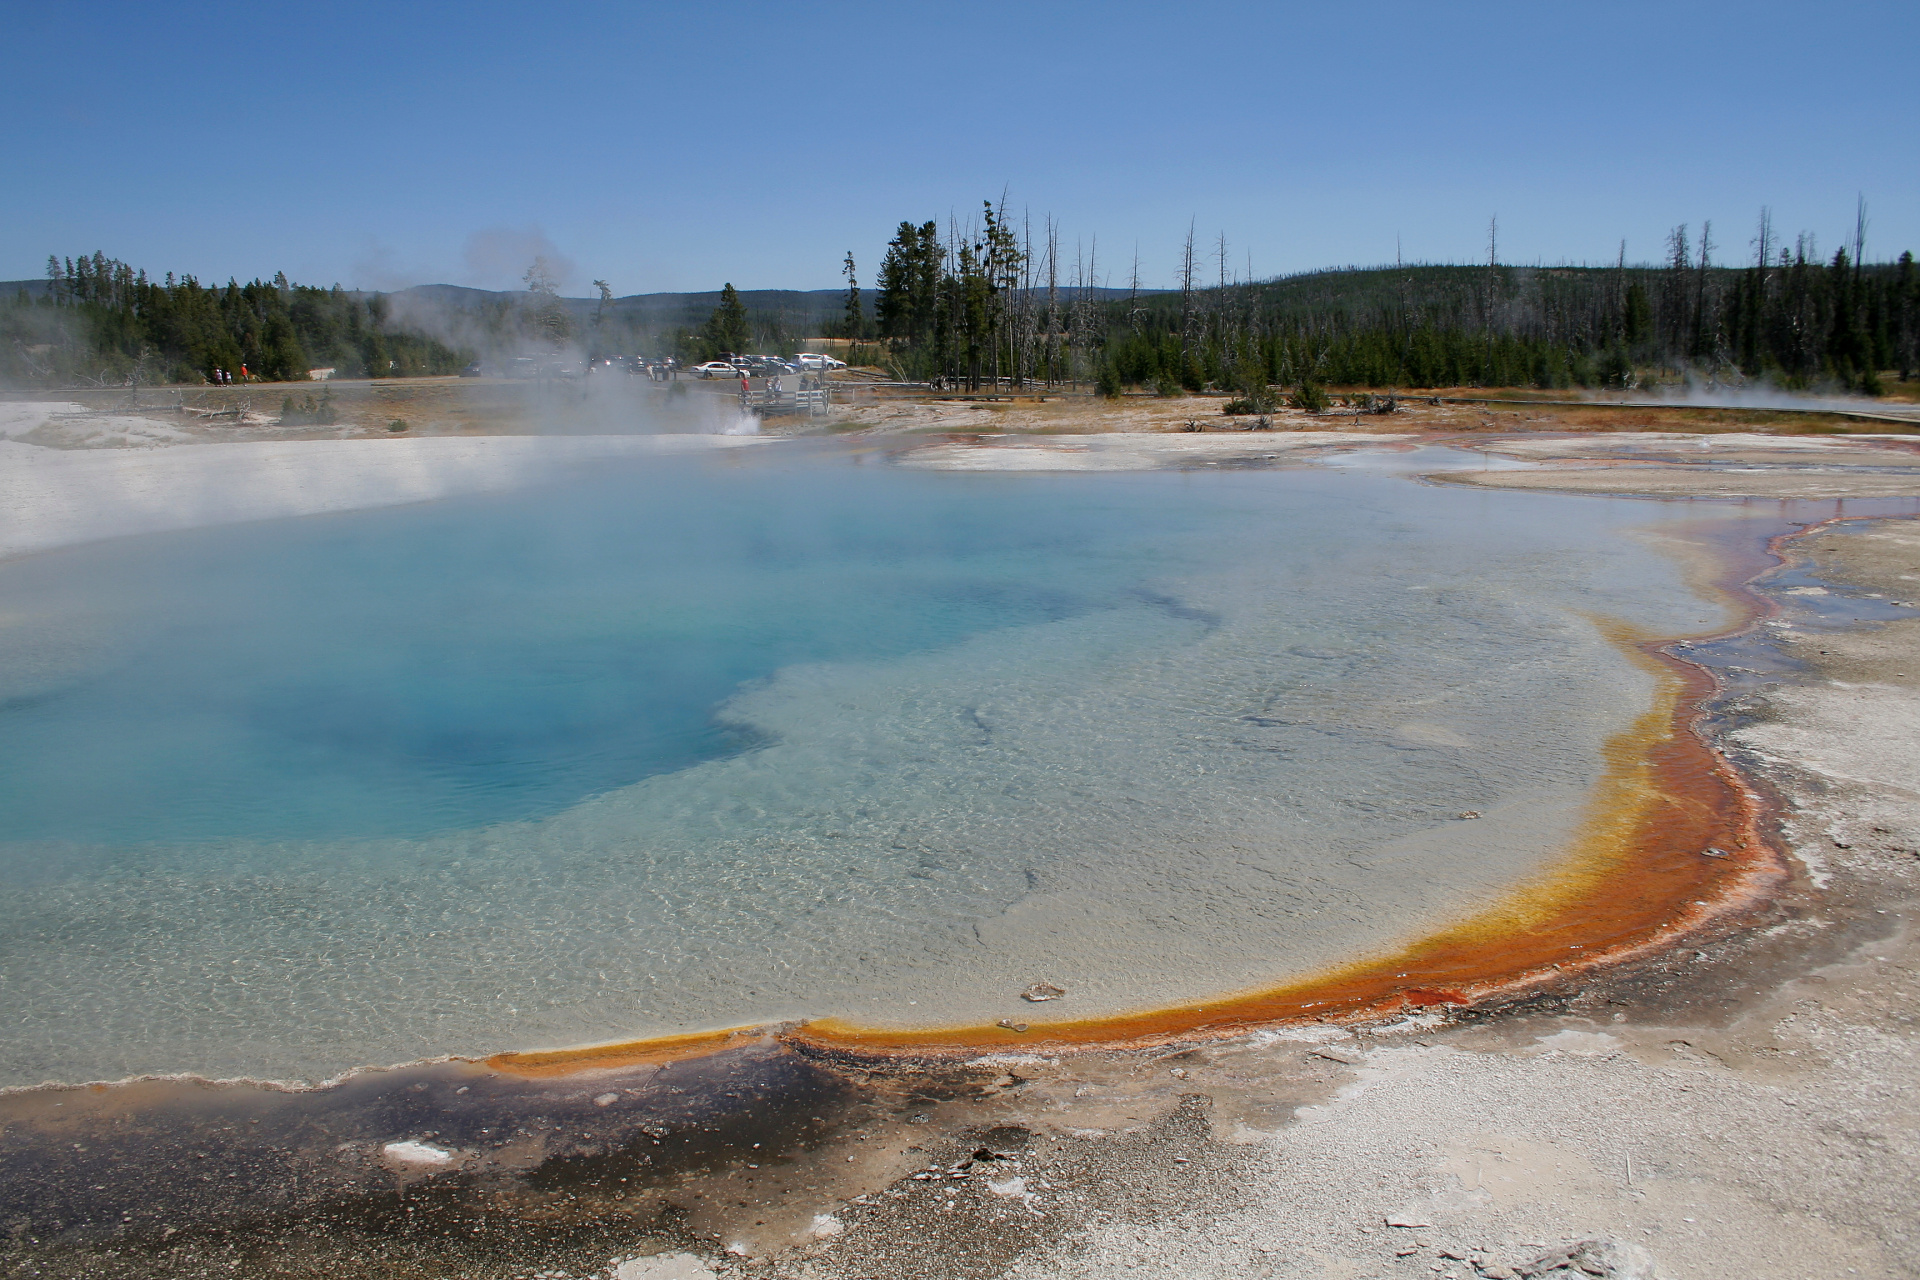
(489, 406)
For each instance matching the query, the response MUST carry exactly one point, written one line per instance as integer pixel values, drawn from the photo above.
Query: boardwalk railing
(763, 400)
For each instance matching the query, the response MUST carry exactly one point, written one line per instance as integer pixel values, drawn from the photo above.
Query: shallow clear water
(681, 745)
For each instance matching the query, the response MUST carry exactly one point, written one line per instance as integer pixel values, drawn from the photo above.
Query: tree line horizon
(989, 303)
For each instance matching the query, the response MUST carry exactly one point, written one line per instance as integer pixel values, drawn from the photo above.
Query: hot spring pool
(678, 745)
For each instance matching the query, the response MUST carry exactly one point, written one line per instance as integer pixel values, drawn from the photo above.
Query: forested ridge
(102, 321)
(992, 302)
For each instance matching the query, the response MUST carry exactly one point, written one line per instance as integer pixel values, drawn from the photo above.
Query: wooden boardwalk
(765, 401)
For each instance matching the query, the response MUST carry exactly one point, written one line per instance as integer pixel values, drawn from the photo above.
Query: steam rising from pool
(684, 745)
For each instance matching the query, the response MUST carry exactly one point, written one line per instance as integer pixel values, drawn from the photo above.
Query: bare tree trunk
(1859, 234)
(1763, 240)
(1186, 295)
(1493, 263)
(1222, 304)
(1133, 292)
(1053, 301)
(1700, 337)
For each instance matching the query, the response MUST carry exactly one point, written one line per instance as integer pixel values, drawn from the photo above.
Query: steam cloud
(497, 257)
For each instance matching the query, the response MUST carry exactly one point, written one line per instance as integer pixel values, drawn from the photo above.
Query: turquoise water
(677, 745)
(403, 672)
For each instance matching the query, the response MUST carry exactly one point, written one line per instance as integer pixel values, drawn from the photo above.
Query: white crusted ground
(57, 497)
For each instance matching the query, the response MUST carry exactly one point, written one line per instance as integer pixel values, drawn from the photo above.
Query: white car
(714, 369)
(810, 361)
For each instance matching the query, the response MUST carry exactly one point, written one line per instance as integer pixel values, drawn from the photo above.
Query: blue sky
(675, 147)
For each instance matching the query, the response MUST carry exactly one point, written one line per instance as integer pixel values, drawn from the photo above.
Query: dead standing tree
(1225, 319)
(548, 315)
(1083, 318)
(1136, 314)
(1493, 280)
(1189, 319)
(1026, 357)
(1704, 346)
(1673, 301)
(1053, 300)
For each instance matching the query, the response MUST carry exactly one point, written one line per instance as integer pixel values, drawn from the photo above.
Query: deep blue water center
(464, 662)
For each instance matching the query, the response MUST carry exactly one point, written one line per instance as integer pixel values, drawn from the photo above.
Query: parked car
(814, 362)
(765, 366)
(714, 369)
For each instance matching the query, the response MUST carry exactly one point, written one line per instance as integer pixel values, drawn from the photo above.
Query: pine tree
(900, 308)
(728, 331)
(856, 319)
(1906, 317)
(549, 317)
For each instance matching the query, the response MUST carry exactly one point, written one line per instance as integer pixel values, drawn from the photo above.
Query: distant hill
(796, 309)
(650, 309)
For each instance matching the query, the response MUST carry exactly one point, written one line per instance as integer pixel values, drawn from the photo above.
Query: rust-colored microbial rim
(1638, 878)
(617, 1055)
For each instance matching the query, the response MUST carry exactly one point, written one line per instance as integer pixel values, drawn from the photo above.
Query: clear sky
(668, 147)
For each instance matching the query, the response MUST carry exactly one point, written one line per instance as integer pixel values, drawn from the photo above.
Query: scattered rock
(1497, 1272)
(1042, 991)
(1336, 1055)
(825, 1226)
(606, 1100)
(1407, 1218)
(663, 1266)
(1605, 1258)
(1011, 1187)
(1011, 1025)
(1178, 1073)
(416, 1153)
(1711, 852)
(1466, 814)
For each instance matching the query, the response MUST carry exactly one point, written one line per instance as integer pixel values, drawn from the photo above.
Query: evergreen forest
(101, 322)
(989, 303)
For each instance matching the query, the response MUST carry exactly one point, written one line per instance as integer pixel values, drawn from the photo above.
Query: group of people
(224, 377)
(775, 385)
